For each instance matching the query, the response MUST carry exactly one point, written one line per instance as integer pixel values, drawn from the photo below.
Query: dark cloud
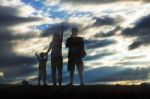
(97, 1)
(116, 73)
(7, 11)
(132, 63)
(14, 20)
(141, 27)
(56, 28)
(9, 17)
(7, 35)
(106, 20)
(134, 57)
(92, 44)
(15, 60)
(10, 62)
(107, 34)
(98, 56)
(107, 74)
(141, 31)
(17, 73)
(134, 45)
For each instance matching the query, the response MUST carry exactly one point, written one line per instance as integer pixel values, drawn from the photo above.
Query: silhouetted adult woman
(56, 58)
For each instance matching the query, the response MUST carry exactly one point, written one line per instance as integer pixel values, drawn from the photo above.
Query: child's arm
(37, 56)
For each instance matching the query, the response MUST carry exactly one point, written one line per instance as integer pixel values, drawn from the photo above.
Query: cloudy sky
(116, 34)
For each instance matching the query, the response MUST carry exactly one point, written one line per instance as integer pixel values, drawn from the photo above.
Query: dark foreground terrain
(75, 92)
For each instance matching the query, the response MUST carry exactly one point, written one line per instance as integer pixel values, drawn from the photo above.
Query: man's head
(74, 32)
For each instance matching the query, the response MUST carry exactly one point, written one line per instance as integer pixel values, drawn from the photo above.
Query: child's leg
(44, 76)
(39, 78)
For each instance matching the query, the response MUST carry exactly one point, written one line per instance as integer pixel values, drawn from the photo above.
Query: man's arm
(67, 45)
(82, 42)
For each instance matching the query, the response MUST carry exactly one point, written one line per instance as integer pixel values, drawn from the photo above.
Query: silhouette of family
(75, 58)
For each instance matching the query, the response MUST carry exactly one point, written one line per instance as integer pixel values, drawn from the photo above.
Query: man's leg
(71, 68)
(80, 71)
(81, 77)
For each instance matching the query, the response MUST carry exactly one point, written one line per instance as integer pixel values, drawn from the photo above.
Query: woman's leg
(60, 68)
(53, 67)
(71, 76)
(59, 76)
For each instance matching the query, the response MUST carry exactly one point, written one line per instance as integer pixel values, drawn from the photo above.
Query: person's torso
(76, 46)
(56, 49)
(42, 62)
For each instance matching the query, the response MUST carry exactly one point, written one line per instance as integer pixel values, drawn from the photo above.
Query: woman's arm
(46, 56)
(49, 49)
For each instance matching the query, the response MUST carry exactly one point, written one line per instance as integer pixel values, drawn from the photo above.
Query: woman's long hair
(56, 37)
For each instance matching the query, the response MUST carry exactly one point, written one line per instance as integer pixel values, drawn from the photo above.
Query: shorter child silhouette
(42, 58)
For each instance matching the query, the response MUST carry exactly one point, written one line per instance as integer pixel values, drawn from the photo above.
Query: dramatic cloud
(121, 74)
(93, 44)
(141, 31)
(98, 1)
(107, 34)
(106, 21)
(12, 63)
(57, 28)
(108, 27)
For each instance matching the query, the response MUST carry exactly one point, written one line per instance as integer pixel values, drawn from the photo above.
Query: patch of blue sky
(37, 4)
(53, 11)
(43, 26)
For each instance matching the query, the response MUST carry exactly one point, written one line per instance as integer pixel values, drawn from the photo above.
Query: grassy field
(74, 92)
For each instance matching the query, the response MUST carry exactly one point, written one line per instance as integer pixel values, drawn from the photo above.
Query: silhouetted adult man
(75, 55)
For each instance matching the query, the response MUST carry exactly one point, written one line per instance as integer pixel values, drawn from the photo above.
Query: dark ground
(75, 92)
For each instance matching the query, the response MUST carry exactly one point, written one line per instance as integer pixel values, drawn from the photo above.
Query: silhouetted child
(42, 58)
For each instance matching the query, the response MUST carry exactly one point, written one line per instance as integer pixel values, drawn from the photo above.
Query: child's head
(42, 54)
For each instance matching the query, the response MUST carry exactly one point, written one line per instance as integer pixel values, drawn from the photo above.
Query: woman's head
(56, 37)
